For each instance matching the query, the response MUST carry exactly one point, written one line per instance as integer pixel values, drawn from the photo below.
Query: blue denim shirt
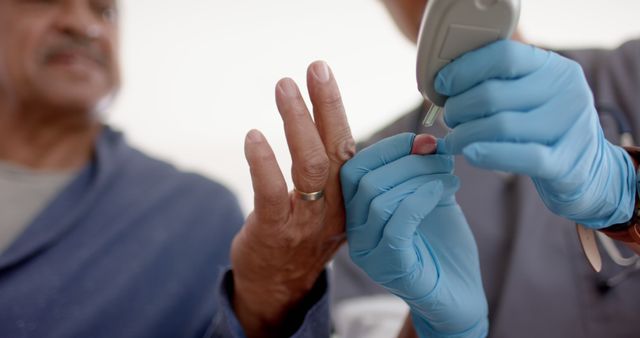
(130, 248)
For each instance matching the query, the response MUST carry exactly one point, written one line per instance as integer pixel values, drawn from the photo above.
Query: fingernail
(254, 136)
(321, 71)
(424, 144)
(288, 87)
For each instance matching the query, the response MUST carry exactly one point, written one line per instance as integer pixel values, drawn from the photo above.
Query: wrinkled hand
(407, 232)
(520, 109)
(286, 242)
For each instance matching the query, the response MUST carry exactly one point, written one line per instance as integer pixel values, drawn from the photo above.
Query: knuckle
(344, 148)
(315, 167)
(290, 241)
(307, 236)
(273, 198)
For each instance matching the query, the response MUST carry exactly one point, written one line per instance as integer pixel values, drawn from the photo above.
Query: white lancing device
(451, 28)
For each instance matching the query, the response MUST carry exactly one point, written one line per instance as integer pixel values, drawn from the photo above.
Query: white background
(200, 73)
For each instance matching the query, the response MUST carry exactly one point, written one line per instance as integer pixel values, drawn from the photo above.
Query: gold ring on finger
(308, 196)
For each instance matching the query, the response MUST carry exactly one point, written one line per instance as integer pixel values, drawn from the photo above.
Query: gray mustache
(82, 47)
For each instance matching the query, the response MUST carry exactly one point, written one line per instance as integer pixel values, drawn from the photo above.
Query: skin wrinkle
(346, 149)
(314, 170)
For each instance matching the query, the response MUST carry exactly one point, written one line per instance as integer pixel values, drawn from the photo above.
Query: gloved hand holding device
(520, 109)
(407, 232)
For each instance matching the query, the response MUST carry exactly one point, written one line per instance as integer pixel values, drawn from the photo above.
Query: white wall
(200, 73)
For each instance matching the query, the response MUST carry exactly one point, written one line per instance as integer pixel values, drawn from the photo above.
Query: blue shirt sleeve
(316, 322)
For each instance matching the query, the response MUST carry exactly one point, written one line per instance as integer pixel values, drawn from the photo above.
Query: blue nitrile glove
(407, 232)
(520, 109)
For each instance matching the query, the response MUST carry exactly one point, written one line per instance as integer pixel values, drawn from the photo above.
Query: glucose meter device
(451, 28)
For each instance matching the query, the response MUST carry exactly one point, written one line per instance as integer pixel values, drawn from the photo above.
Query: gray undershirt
(24, 193)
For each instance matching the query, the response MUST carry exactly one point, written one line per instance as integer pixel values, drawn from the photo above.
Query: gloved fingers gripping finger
(365, 237)
(499, 60)
(494, 96)
(401, 228)
(371, 158)
(396, 247)
(544, 125)
(391, 175)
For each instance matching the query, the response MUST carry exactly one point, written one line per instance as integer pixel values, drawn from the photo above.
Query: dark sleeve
(312, 320)
(614, 78)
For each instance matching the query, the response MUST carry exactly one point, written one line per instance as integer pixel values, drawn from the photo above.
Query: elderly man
(99, 240)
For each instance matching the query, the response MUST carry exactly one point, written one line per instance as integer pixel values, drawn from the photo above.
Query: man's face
(60, 53)
(407, 14)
